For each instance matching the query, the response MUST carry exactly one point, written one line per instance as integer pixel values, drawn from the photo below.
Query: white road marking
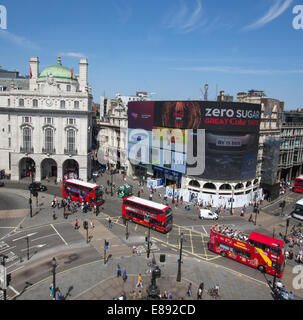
(59, 235)
(16, 292)
(28, 235)
(53, 234)
(37, 246)
(9, 248)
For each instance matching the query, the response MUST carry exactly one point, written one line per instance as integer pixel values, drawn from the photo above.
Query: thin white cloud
(185, 19)
(274, 12)
(238, 70)
(18, 40)
(72, 54)
(123, 9)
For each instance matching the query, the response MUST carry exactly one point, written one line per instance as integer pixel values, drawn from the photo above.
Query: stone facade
(49, 125)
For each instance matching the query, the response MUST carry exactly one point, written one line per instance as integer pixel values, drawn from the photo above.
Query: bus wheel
(261, 268)
(223, 254)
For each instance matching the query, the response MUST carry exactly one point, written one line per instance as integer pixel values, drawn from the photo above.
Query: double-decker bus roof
(82, 183)
(299, 177)
(266, 240)
(147, 202)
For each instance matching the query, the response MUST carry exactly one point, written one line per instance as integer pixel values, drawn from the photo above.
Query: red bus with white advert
(148, 213)
(82, 191)
(256, 250)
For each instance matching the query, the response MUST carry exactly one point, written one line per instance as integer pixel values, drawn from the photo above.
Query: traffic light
(85, 225)
(8, 278)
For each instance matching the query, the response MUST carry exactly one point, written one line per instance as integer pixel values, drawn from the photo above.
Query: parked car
(207, 214)
(37, 186)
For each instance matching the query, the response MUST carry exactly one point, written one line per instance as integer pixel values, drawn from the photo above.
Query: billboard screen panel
(230, 137)
(141, 115)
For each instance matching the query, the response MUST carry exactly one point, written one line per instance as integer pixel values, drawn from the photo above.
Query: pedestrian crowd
(280, 293)
(72, 207)
(234, 234)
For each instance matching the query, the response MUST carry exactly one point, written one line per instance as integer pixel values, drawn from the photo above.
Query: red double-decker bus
(148, 213)
(298, 184)
(257, 250)
(82, 191)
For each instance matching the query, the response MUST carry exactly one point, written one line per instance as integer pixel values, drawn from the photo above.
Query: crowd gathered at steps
(233, 234)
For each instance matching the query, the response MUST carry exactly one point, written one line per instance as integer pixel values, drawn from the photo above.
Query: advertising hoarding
(230, 137)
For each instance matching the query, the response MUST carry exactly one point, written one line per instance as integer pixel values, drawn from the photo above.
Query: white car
(207, 214)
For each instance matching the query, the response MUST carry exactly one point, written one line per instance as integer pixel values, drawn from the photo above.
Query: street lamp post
(30, 203)
(180, 259)
(126, 230)
(111, 182)
(148, 239)
(27, 241)
(54, 264)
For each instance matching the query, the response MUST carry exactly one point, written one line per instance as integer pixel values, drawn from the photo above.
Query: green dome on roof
(58, 71)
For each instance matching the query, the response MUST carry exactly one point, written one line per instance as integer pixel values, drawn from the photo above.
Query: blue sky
(170, 48)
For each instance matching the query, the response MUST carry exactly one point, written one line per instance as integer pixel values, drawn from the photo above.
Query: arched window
(27, 138)
(21, 102)
(49, 139)
(194, 183)
(225, 186)
(209, 186)
(239, 186)
(71, 140)
(76, 104)
(35, 103)
(62, 104)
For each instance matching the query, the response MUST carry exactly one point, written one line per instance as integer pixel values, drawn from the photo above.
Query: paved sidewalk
(98, 281)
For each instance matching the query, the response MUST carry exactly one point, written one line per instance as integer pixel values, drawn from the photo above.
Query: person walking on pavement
(118, 270)
(59, 295)
(54, 215)
(109, 223)
(199, 294)
(124, 275)
(189, 290)
(77, 224)
(139, 281)
(92, 224)
(51, 290)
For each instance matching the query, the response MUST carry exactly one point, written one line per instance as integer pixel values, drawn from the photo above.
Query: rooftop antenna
(205, 92)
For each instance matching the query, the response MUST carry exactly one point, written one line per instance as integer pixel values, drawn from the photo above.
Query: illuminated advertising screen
(141, 115)
(228, 132)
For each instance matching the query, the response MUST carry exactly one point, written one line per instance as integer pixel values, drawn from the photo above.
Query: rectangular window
(9, 128)
(76, 104)
(9, 142)
(68, 87)
(8, 102)
(71, 121)
(26, 119)
(48, 120)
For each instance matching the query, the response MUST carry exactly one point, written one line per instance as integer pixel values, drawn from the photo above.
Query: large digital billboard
(228, 133)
